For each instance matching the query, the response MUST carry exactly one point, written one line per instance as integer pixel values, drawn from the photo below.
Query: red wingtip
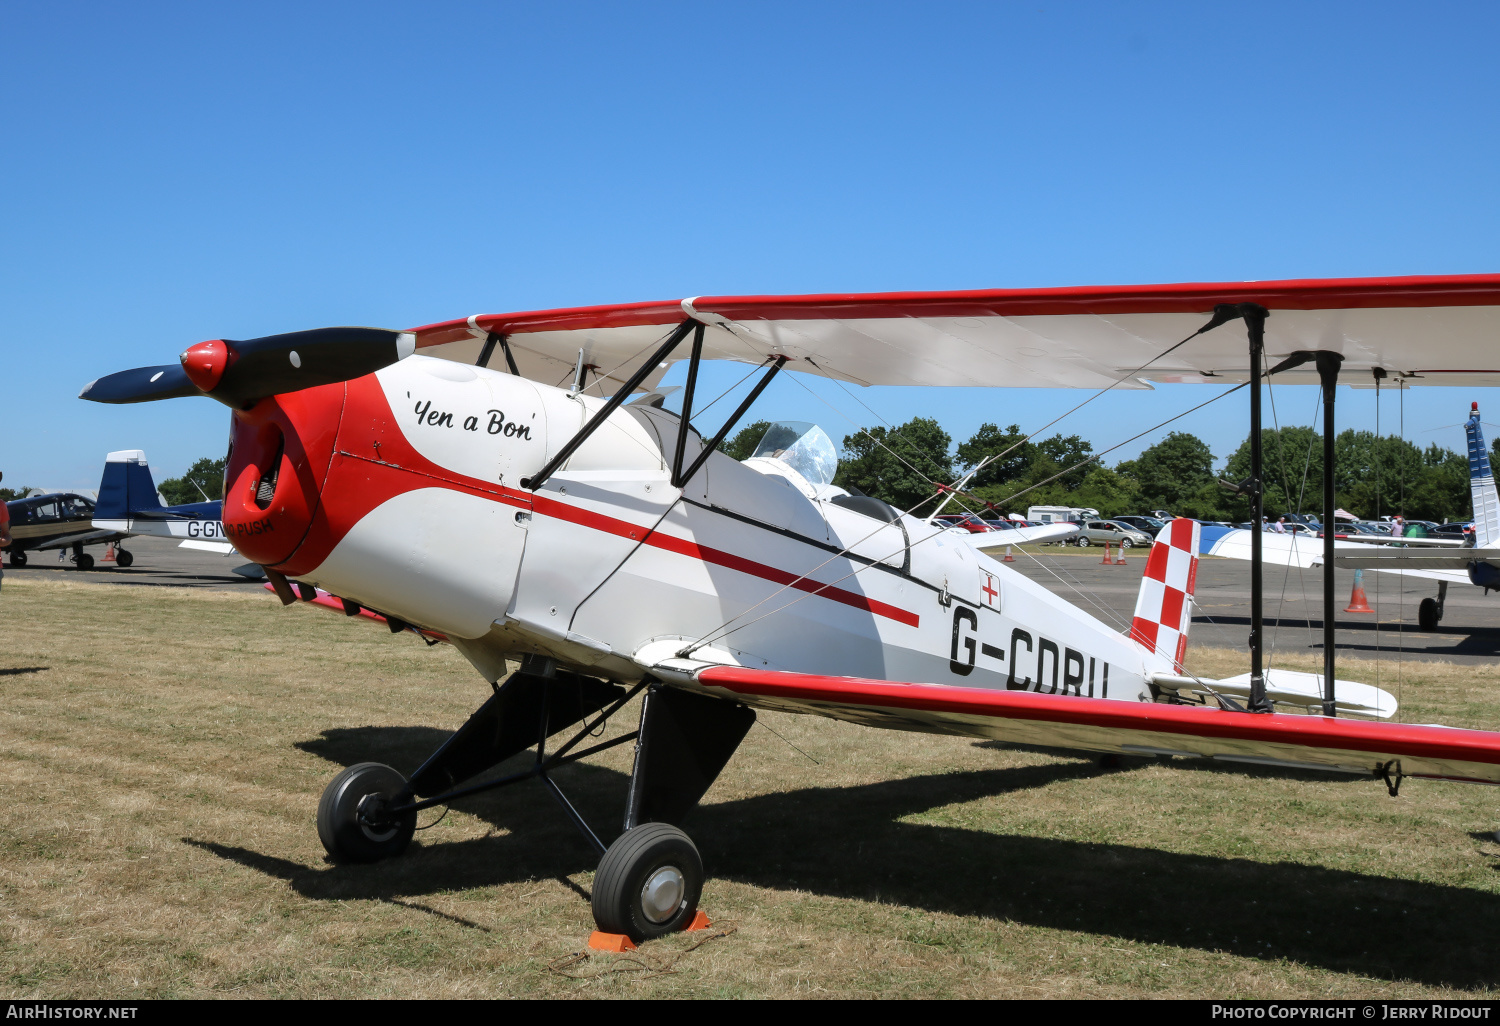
(205, 362)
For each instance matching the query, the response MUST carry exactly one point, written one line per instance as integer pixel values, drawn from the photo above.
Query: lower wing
(1273, 739)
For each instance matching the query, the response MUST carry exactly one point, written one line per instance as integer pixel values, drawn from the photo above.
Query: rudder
(126, 487)
(1482, 485)
(1164, 607)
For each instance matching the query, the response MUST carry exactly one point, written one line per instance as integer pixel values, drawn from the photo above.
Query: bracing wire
(718, 633)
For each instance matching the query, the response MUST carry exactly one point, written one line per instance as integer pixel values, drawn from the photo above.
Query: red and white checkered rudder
(1164, 609)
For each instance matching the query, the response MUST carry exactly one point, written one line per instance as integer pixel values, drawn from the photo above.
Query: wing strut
(681, 477)
(1328, 364)
(489, 348)
(540, 478)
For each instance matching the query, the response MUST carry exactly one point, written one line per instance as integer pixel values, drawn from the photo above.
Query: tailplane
(126, 487)
(1482, 486)
(1164, 609)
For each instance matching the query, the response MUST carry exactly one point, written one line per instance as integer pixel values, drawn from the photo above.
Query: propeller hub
(206, 362)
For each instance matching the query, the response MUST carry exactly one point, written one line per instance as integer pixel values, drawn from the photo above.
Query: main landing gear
(17, 557)
(82, 560)
(1430, 612)
(123, 558)
(650, 878)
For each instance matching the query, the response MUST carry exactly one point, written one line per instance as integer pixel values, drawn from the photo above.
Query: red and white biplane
(457, 479)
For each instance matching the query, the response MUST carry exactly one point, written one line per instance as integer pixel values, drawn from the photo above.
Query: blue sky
(177, 172)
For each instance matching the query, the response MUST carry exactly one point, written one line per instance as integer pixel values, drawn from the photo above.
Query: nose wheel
(648, 883)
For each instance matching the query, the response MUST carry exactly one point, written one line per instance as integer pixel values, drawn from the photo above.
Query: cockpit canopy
(804, 447)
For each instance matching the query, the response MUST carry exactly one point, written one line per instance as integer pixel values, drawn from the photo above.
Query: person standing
(1280, 527)
(1396, 526)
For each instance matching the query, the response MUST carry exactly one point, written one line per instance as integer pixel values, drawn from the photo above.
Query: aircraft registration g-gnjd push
(610, 547)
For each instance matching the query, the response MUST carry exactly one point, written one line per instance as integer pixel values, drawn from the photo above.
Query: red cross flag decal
(990, 589)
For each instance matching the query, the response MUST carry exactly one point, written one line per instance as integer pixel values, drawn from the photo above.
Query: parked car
(1110, 532)
(968, 521)
(1146, 525)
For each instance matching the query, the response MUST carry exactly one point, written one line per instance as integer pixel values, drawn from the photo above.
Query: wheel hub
(662, 894)
(370, 814)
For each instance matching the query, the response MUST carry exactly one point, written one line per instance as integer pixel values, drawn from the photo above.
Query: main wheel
(123, 558)
(648, 882)
(1083, 541)
(17, 557)
(84, 561)
(1427, 614)
(351, 815)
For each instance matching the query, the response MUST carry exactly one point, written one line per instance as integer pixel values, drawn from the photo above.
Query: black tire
(1427, 614)
(1083, 541)
(123, 558)
(18, 558)
(347, 835)
(84, 561)
(641, 859)
(1124, 543)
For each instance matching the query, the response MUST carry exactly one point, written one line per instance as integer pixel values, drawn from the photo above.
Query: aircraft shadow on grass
(850, 842)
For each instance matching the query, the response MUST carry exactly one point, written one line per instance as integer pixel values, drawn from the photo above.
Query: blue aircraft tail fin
(1482, 485)
(126, 487)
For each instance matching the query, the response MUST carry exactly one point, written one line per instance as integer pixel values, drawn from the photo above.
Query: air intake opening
(265, 488)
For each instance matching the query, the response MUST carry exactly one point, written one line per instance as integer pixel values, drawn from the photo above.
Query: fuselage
(402, 491)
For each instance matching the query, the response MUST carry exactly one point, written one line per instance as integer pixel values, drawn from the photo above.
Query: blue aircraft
(128, 505)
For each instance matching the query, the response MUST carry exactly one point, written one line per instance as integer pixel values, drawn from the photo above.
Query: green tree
(1111, 493)
(743, 444)
(1292, 458)
(10, 494)
(899, 465)
(1173, 474)
(206, 474)
(990, 441)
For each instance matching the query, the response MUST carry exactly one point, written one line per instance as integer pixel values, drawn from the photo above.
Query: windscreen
(804, 447)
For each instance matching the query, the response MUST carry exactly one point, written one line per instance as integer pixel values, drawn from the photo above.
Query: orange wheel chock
(700, 921)
(616, 942)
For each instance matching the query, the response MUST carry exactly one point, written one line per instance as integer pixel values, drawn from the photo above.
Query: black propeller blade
(141, 385)
(240, 373)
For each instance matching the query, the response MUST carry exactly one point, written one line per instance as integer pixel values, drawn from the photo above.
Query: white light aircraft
(612, 549)
(1447, 561)
(129, 506)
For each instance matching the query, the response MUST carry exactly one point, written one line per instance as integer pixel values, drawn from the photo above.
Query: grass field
(165, 751)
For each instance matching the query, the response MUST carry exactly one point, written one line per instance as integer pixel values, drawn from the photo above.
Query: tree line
(1373, 476)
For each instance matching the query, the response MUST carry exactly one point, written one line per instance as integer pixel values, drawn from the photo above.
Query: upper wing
(1307, 742)
(1431, 330)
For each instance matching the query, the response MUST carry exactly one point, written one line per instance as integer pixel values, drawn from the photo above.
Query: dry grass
(165, 751)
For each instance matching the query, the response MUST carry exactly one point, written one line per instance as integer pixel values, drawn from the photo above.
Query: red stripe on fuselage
(357, 484)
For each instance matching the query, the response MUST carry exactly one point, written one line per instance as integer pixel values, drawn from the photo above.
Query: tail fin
(1482, 485)
(1164, 609)
(126, 487)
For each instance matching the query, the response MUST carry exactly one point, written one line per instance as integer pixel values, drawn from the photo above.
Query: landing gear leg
(650, 879)
(1430, 612)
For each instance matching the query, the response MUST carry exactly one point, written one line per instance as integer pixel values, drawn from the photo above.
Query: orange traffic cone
(1120, 556)
(1357, 601)
(1008, 557)
(1106, 561)
(109, 553)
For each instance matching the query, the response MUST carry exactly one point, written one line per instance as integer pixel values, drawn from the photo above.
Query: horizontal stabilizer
(222, 548)
(1292, 687)
(1456, 560)
(996, 541)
